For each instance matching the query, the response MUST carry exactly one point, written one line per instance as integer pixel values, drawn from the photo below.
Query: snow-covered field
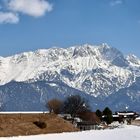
(126, 133)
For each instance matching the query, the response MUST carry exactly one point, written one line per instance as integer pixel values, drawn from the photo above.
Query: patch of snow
(126, 133)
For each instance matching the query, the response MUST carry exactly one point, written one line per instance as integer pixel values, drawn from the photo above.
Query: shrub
(40, 124)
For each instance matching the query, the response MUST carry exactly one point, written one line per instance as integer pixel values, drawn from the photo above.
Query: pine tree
(108, 115)
(99, 113)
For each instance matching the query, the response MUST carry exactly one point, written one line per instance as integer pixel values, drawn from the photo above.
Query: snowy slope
(97, 71)
(127, 133)
(87, 68)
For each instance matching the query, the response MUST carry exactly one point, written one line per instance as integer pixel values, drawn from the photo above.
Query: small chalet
(89, 121)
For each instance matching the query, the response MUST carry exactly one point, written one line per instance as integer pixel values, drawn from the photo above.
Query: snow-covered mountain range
(101, 74)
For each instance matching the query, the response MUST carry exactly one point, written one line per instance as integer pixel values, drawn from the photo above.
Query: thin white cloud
(35, 8)
(116, 2)
(8, 17)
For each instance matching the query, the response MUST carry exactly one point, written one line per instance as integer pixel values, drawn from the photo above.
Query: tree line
(75, 105)
(72, 105)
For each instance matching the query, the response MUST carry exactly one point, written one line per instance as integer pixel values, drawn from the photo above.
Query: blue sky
(65, 23)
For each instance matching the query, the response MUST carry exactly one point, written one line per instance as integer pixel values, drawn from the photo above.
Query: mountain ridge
(95, 71)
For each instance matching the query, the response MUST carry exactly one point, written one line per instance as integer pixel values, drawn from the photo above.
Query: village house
(89, 121)
(84, 120)
(123, 116)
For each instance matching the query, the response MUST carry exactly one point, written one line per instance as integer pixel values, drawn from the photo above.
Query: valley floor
(125, 133)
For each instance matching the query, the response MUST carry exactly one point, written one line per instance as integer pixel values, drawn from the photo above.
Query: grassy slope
(22, 124)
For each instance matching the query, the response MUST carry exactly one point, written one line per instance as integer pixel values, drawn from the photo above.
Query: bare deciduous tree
(54, 106)
(74, 105)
